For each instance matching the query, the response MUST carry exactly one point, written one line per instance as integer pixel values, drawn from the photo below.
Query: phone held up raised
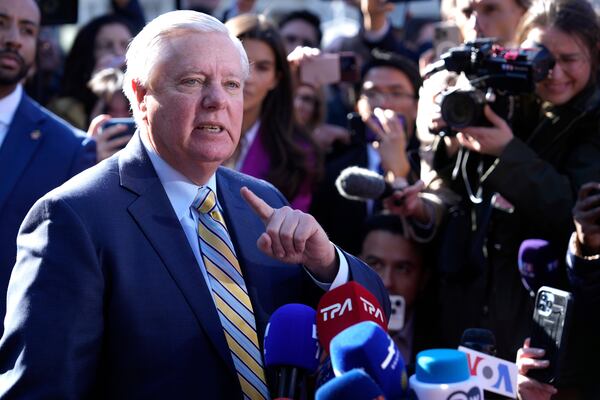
(327, 68)
(551, 322)
(128, 122)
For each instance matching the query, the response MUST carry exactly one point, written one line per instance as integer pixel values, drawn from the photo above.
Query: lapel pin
(35, 135)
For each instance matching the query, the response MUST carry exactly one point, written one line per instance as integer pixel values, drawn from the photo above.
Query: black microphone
(355, 183)
(479, 339)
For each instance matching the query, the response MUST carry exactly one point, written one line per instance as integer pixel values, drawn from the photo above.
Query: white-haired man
(133, 280)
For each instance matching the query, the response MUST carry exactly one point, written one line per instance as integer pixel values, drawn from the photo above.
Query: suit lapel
(20, 144)
(155, 216)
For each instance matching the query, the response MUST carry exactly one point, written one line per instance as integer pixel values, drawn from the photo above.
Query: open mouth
(210, 128)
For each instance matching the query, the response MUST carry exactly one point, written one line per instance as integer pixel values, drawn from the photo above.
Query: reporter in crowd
(272, 146)
(529, 176)
(99, 44)
(404, 266)
(383, 140)
(300, 28)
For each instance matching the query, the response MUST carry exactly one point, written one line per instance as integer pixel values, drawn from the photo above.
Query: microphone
(538, 265)
(479, 339)
(355, 183)
(490, 373)
(344, 306)
(353, 385)
(443, 374)
(291, 346)
(367, 346)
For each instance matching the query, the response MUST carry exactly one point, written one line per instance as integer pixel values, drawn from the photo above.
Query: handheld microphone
(291, 346)
(345, 306)
(355, 183)
(368, 347)
(538, 265)
(353, 385)
(479, 339)
(443, 374)
(490, 373)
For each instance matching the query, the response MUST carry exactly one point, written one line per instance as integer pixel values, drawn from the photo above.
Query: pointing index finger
(258, 205)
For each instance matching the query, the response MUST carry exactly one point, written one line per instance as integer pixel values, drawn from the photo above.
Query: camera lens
(463, 108)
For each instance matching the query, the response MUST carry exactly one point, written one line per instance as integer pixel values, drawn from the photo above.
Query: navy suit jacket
(39, 153)
(107, 300)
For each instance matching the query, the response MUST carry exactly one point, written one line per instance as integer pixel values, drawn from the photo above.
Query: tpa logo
(336, 310)
(371, 309)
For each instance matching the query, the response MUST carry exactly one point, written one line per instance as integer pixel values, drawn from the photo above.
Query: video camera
(496, 75)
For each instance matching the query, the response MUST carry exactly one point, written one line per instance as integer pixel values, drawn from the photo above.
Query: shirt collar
(9, 104)
(245, 142)
(180, 190)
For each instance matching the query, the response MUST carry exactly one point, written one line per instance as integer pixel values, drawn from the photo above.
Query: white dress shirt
(181, 193)
(8, 108)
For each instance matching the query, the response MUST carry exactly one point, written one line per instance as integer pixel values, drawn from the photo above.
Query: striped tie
(230, 295)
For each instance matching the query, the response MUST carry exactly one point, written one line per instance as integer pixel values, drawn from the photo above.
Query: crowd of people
(237, 108)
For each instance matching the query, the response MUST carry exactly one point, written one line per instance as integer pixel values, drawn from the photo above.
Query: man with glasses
(383, 141)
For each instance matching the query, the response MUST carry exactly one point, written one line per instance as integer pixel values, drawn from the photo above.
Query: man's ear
(140, 94)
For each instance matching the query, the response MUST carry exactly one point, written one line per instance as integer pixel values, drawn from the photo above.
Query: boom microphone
(291, 346)
(345, 306)
(355, 183)
(538, 264)
(368, 347)
(353, 385)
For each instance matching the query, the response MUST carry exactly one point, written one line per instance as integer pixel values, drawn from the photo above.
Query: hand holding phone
(327, 68)
(110, 134)
(550, 330)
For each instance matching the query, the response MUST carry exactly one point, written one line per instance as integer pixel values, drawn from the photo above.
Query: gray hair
(146, 48)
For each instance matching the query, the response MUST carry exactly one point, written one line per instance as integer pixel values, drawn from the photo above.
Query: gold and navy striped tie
(230, 295)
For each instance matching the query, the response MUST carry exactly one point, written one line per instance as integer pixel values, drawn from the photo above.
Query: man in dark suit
(117, 292)
(38, 152)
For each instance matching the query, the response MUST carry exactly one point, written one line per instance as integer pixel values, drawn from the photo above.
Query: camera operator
(528, 174)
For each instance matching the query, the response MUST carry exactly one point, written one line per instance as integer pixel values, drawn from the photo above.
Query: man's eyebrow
(21, 21)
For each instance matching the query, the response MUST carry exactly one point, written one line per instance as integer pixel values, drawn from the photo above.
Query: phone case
(396, 322)
(550, 331)
(324, 69)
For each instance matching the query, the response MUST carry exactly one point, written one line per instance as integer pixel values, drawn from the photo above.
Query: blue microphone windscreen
(442, 366)
(291, 338)
(367, 346)
(353, 385)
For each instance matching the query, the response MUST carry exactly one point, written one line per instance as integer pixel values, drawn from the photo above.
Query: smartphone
(330, 68)
(129, 122)
(551, 322)
(446, 35)
(396, 322)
